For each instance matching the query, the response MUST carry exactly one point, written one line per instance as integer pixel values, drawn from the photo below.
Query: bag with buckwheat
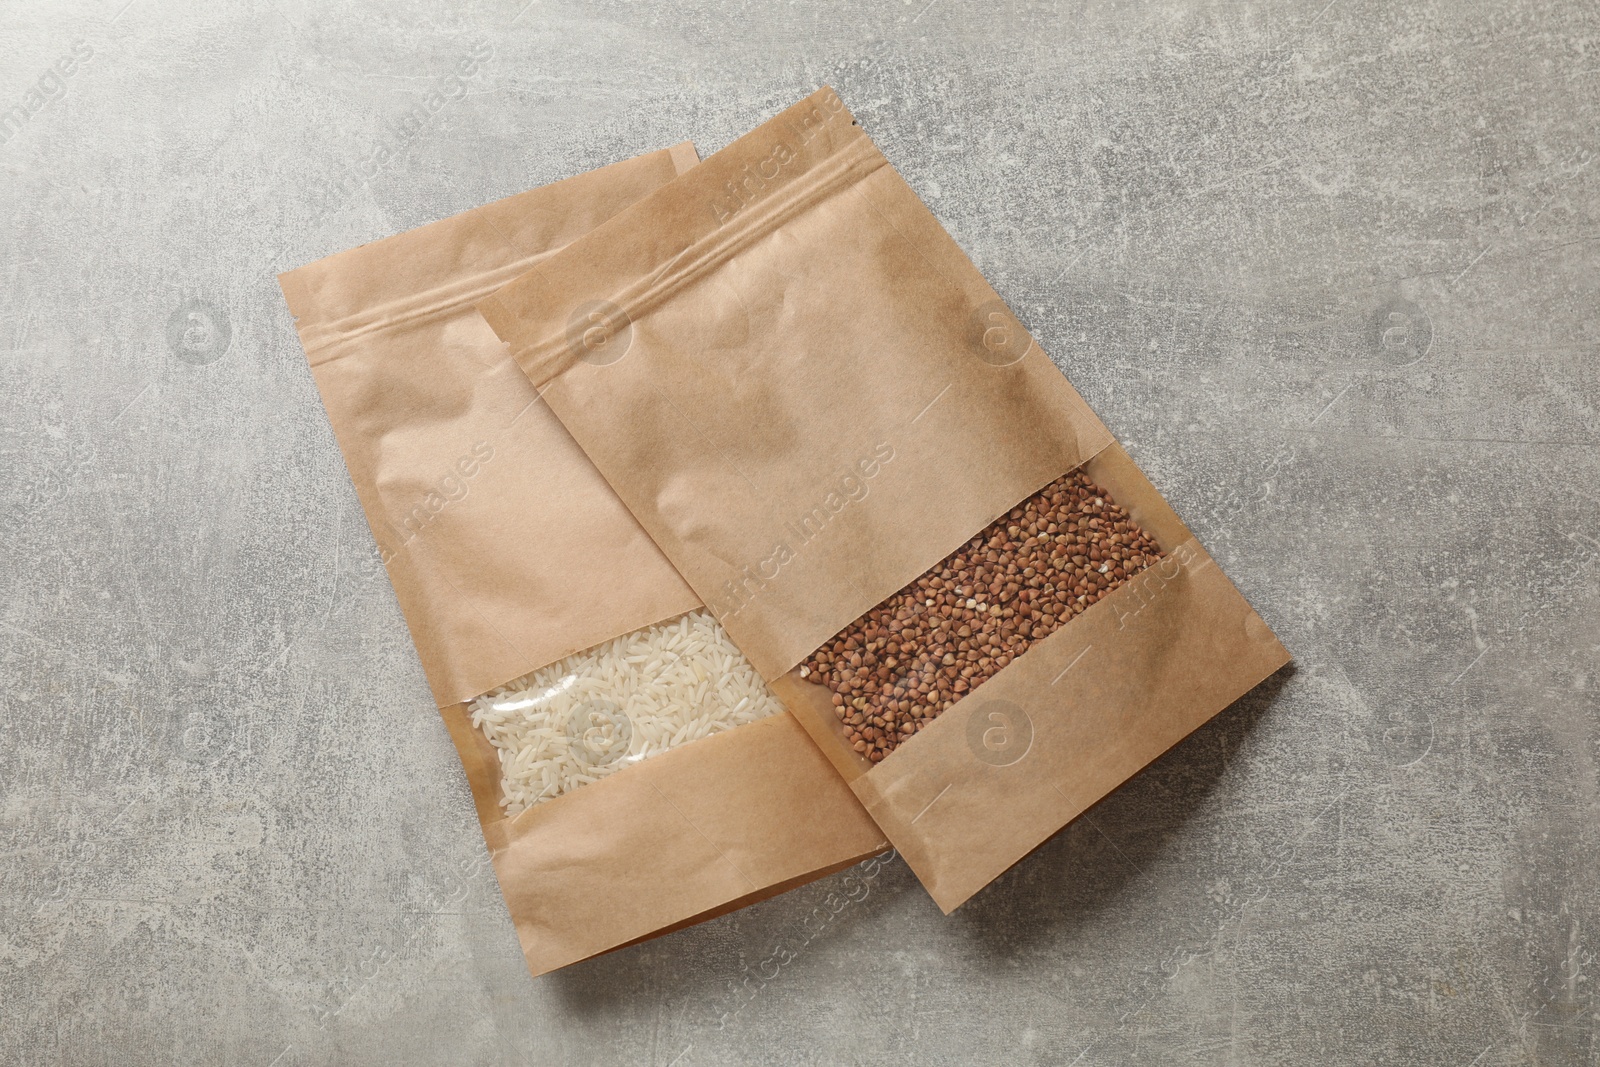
(891, 498)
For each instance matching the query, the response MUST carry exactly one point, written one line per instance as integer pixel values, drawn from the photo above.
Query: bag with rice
(631, 771)
(897, 506)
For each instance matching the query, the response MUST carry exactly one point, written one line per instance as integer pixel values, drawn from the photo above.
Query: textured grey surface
(1330, 268)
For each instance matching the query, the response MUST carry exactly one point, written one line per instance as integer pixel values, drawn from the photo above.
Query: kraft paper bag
(508, 552)
(809, 396)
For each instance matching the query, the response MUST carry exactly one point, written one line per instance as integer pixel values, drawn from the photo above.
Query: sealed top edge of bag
(456, 260)
(684, 228)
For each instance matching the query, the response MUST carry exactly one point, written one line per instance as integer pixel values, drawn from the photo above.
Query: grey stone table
(1329, 268)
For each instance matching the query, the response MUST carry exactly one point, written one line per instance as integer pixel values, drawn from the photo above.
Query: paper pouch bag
(508, 551)
(809, 397)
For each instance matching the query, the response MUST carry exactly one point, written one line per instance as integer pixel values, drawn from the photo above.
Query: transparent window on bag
(612, 706)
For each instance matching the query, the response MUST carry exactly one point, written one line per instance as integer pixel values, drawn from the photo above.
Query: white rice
(596, 712)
